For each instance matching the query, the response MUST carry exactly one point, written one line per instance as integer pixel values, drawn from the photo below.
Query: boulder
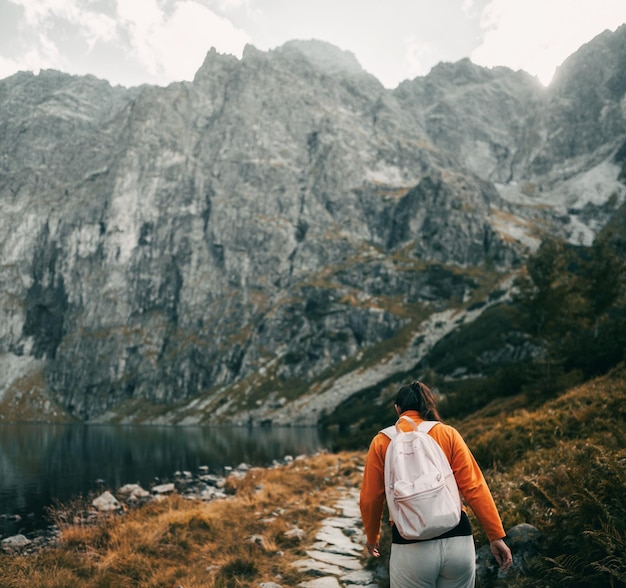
(164, 488)
(15, 543)
(106, 502)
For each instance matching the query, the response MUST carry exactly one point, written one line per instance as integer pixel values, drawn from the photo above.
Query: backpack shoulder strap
(426, 426)
(408, 420)
(423, 427)
(389, 432)
(393, 430)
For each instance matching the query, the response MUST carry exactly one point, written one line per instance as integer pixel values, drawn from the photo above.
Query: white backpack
(422, 494)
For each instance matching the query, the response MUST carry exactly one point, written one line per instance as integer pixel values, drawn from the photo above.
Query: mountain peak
(325, 56)
(465, 71)
(214, 62)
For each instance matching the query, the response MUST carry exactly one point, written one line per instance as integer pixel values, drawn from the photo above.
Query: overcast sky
(131, 42)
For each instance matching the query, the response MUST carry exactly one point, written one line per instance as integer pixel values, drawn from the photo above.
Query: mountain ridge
(239, 241)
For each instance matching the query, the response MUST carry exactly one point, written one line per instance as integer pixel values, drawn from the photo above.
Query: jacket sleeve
(470, 480)
(372, 497)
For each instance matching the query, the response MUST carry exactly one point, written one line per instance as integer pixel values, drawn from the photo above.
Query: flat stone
(327, 510)
(343, 522)
(317, 567)
(358, 578)
(128, 488)
(163, 489)
(349, 507)
(133, 491)
(337, 542)
(336, 559)
(338, 549)
(297, 534)
(326, 582)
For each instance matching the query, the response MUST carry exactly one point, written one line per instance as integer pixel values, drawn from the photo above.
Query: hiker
(447, 560)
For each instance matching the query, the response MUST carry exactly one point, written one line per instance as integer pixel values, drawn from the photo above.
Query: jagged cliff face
(490, 120)
(504, 126)
(231, 247)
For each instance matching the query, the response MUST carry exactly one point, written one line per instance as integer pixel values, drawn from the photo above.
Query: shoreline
(201, 485)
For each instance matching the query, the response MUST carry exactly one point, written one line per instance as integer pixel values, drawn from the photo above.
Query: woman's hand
(502, 553)
(372, 548)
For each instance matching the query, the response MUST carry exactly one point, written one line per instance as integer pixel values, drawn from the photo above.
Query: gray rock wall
(278, 215)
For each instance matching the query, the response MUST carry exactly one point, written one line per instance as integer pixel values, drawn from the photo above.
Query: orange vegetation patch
(236, 541)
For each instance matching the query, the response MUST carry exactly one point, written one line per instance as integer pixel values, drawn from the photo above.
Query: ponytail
(419, 397)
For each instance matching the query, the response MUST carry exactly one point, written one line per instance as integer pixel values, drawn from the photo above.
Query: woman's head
(419, 397)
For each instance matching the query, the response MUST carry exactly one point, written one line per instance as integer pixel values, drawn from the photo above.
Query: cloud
(141, 20)
(538, 35)
(170, 45)
(226, 5)
(419, 57)
(42, 20)
(92, 26)
(468, 6)
(167, 41)
(38, 51)
(8, 67)
(190, 33)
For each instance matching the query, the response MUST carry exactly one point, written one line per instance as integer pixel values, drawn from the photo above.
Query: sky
(130, 42)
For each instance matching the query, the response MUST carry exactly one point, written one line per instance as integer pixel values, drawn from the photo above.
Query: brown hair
(419, 397)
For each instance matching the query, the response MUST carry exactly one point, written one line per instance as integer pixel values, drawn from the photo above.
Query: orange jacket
(469, 479)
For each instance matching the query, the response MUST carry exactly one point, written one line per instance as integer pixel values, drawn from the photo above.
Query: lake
(41, 465)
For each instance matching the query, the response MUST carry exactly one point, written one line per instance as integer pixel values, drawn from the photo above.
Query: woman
(447, 561)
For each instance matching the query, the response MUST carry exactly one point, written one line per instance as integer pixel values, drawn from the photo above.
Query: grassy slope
(558, 464)
(561, 466)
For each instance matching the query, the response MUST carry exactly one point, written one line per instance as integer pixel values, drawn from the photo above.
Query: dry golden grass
(505, 432)
(237, 541)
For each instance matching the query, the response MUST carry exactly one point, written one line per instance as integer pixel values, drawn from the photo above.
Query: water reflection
(42, 464)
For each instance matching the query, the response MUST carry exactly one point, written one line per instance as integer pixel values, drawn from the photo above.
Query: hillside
(561, 466)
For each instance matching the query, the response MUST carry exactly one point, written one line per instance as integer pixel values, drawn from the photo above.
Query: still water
(41, 465)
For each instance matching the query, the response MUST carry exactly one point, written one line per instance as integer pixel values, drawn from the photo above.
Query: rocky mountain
(263, 242)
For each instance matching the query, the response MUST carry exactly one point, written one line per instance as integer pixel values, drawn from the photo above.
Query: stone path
(336, 557)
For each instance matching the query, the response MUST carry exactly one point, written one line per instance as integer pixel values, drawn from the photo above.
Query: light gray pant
(440, 563)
